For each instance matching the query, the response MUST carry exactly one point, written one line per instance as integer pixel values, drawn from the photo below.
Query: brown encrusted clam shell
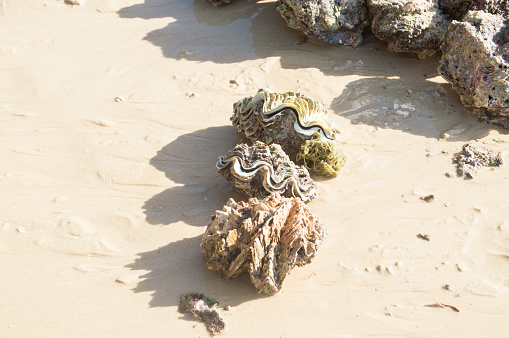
(260, 170)
(267, 238)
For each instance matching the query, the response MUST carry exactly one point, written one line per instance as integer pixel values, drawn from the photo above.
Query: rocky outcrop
(409, 26)
(457, 9)
(475, 61)
(334, 22)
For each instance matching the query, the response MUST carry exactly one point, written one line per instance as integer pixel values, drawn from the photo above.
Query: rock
(216, 3)
(260, 170)
(202, 308)
(457, 9)
(333, 22)
(267, 238)
(409, 26)
(472, 158)
(475, 61)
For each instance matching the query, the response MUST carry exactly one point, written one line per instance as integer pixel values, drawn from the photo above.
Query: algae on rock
(321, 157)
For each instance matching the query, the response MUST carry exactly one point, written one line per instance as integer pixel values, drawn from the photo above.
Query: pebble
(462, 267)
(127, 279)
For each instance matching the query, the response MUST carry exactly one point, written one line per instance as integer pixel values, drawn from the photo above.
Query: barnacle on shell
(261, 169)
(288, 119)
(266, 237)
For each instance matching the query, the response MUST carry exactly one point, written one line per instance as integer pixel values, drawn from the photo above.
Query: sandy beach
(112, 116)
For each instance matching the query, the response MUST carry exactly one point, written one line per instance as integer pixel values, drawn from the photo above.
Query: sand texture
(112, 116)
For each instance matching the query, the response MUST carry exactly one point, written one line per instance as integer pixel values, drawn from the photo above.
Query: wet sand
(112, 116)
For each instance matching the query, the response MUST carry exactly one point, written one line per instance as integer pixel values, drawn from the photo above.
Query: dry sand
(112, 115)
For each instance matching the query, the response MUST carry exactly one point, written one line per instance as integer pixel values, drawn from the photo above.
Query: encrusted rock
(409, 26)
(266, 237)
(475, 61)
(334, 22)
(458, 8)
(260, 170)
(219, 2)
(291, 120)
(202, 308)
(472, 158)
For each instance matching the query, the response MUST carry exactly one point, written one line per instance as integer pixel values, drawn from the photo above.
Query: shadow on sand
(388, 96)
(178, 268)
(190, 161)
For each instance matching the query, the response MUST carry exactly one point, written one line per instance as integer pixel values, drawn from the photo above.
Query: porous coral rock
(334, 22)
(266, 237)
(475, 60)
(288, 119)
(458, 8)
(409, 26)
(260, 170)
(472, 158)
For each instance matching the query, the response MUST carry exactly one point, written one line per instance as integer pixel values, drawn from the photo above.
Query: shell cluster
(261, 169)
(274, 230)
(266, 238)
(296, 122)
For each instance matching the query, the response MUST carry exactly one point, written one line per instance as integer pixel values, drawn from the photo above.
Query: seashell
(266, 237)
(260, 170)
(290, 120)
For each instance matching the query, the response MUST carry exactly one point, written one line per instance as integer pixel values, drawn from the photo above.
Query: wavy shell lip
(297, 123)
(311, 116)
(260, 170)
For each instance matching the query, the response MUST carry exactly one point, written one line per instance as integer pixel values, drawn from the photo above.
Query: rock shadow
(428, 109)
(190, 161)
(179, 268)
(249, 30)
(197, 27)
